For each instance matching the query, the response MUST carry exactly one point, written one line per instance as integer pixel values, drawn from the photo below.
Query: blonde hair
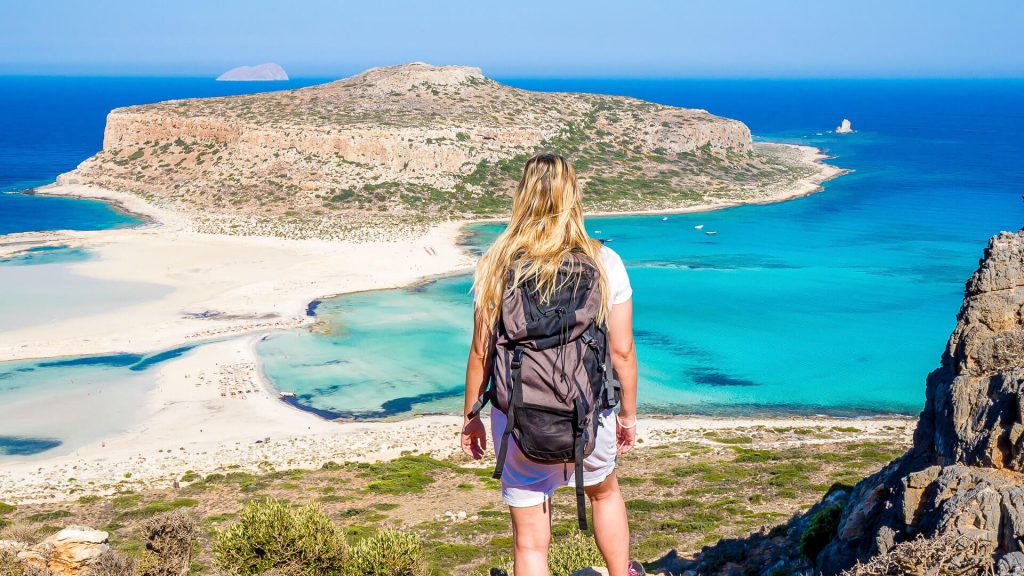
(546, 228)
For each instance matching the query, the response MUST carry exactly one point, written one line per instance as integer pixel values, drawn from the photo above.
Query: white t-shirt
(526, 483)
(618, 280)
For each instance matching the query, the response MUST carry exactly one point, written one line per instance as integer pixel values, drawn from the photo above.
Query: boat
(711, 233)
(665, 218)
(287, 394)
(698, 226)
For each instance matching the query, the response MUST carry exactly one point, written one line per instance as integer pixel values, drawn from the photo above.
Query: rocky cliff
(418, 142)
(963, 480)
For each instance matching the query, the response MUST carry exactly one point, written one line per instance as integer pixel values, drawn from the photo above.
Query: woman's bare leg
(531, 533)
(611, 528)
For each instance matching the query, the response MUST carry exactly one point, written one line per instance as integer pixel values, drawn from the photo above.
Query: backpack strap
(482, 401)
(581, 442)
(488, 395)
(515, 395)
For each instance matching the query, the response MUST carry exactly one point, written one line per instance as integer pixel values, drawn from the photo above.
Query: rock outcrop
(964, 477)
(844, 127)
(260, 72)
(419, 142)
(67, 553)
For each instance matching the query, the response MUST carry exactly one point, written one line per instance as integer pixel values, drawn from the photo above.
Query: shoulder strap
(515, 394)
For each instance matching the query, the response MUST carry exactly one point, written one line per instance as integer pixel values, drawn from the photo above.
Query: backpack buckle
(517, 357)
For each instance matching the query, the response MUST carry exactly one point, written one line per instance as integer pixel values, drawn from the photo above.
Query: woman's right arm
(478, 368)
(623, 351)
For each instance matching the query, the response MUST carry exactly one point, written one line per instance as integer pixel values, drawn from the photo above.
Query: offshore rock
(260, 72)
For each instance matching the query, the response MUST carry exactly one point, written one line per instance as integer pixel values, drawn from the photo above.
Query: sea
(837, 303)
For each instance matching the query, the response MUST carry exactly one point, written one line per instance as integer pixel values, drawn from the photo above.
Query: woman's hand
(625, 436)
(474, 438)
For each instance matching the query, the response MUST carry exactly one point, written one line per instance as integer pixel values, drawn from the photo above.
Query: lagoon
(837, 303)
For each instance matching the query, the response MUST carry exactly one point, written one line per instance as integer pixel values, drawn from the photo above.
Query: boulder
(844, 127)
(66, 553)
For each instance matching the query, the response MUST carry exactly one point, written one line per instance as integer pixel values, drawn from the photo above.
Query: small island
(844, 127)
(259, 73)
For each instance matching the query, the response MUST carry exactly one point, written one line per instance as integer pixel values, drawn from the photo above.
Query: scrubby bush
(23, 533)
(10, 566)
(270, 534)
(169, 543)
(950, 554)
(820, 530)
(113, 563)
(573, 552)
(387, 553)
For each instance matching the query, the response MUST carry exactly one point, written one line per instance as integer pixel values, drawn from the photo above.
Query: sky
(548, 38)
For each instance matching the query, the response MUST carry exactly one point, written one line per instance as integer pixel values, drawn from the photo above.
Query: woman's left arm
(478, 367)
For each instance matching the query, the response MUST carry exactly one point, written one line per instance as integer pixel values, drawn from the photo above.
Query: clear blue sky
(733, 38)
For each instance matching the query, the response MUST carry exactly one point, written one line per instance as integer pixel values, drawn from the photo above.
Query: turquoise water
(25, 213)
(839, 303)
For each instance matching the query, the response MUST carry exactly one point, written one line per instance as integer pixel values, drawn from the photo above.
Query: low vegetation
(418, 515)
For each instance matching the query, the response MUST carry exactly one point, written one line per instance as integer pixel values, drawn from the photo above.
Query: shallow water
(56, 405)
(837, 303)
(41, 286)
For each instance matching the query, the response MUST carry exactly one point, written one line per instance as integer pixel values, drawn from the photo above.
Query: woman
(545, 228)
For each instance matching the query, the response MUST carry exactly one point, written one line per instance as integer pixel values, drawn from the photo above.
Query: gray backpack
(551, 372)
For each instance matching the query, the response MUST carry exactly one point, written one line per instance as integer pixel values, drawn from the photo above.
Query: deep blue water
(838, 303)
(48, 125)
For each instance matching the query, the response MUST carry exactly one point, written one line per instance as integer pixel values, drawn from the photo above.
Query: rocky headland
(407, 146)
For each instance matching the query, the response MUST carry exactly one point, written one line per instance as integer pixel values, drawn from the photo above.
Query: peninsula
(405, 147)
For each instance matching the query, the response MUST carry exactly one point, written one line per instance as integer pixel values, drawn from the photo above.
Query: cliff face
(419, 142)
(963, 481)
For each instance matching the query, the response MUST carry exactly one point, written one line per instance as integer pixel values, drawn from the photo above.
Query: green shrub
(271, 534)
(573, 552)
(48, 516)
(820, 530)
(6, 508)
(387, 553)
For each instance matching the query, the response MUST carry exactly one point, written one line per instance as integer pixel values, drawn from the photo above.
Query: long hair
(545, 229)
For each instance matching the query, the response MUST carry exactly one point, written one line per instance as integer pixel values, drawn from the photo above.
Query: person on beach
(546, 229)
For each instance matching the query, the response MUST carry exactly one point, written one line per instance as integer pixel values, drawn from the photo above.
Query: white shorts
(525, 483)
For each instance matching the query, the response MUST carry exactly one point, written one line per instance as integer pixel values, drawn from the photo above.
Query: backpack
(551, 371)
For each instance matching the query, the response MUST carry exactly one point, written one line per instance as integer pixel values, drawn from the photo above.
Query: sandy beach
(220, 285)
(211, 409)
